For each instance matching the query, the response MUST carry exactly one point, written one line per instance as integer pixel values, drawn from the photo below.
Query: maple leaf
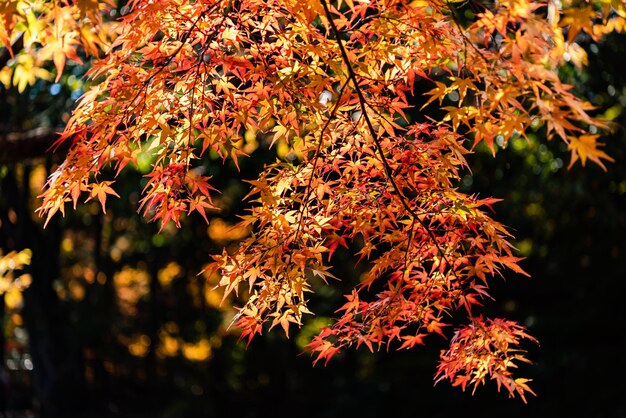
(586, 147)
(100, 190)
(579, 20)
(411, 340)
(200, 204)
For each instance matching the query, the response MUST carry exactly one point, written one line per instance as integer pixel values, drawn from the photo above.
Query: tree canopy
(373, 107)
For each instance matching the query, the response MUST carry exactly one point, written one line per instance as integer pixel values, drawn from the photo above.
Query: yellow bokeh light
(139, 346)
(77, 290)
(13, 298)
(67, 245)
(212, 296)
(131, 285)
(199, 351)
(221, 231)
(170, 272)
(169, 346)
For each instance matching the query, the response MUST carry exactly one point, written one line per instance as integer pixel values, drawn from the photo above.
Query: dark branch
(19, 146)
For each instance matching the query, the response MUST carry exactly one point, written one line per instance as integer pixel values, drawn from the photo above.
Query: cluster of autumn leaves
(179, 80)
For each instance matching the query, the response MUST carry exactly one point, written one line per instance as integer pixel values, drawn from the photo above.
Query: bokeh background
(118, 322)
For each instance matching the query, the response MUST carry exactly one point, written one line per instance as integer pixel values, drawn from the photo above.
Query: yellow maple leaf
(100, 190)
(585, 147)
(579, 20)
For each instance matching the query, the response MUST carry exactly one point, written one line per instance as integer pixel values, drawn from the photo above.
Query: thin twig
(363, 103)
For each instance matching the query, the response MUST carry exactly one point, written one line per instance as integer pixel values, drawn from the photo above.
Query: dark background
(76, 347)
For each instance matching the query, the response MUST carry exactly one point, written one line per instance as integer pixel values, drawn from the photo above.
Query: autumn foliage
(373, 165)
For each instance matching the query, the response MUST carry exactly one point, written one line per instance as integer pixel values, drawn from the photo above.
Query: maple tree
(367, 167)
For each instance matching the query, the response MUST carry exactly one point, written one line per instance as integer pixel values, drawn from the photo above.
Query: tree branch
(18, 146)
(363, 104)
